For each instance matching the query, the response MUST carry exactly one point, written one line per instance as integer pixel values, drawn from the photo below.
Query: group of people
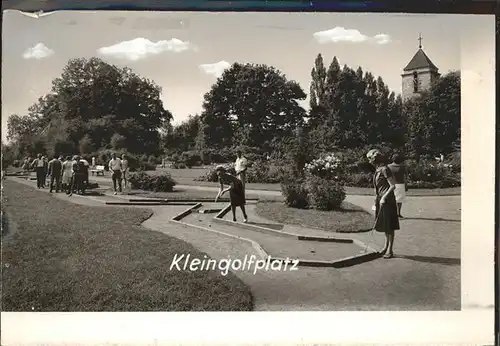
(389, 181)
(119, 170)
(72, 173)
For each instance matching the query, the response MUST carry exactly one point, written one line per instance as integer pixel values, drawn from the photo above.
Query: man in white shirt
(240, 167)
(115, 167)
(39, 165)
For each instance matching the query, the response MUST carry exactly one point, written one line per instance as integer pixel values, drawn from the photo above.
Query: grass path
(60, 256)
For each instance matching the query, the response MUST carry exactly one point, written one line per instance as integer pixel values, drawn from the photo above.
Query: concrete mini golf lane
(282, 247)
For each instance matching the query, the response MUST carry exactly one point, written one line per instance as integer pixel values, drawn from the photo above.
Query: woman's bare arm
(392, 182)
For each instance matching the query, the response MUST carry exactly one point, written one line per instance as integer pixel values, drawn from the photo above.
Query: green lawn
(59, 256)
(351, 219)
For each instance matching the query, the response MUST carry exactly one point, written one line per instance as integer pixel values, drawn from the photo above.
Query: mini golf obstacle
(320, 248)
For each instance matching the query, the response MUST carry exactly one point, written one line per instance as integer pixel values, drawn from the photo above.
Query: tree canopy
(351, 108)
(93, 105)
(433, 119)
(249, 105)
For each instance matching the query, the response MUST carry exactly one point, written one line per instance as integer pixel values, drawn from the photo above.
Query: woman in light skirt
(67, 174)
(125, 170)
(398, 169)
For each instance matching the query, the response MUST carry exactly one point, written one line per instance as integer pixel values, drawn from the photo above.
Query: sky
(185, 52)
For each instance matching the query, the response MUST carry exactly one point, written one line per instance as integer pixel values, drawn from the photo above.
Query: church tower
(419, 74)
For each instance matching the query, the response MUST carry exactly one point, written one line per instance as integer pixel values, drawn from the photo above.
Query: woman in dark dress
(386, 210)
(236, 191)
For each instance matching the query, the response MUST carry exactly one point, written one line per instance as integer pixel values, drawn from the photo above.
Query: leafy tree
(326, 126)
(255, 102)
(317, 93)
(94, 100)
(182, 137)
(356, 109)
(86, 145)
(8, 155)
(433, 119)
(117, 141)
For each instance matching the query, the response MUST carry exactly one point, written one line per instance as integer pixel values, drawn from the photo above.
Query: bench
(97, 170)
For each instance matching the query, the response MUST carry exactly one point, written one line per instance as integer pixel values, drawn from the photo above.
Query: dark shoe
(50, 191)
(388, 255)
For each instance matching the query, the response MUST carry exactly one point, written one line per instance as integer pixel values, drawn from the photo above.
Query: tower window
(415, 82)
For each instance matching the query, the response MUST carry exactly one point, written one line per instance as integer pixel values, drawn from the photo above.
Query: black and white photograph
(232, 162)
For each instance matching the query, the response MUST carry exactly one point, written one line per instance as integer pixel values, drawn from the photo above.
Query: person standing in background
(55, 172)
(78, 176)
(240, 167)
(115, 167)
(45, 170)
(39, 167)
(86, 171)
(125, 170)
(399, 172)
(67, 174)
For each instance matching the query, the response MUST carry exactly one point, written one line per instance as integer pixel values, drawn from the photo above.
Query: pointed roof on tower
(420, 60)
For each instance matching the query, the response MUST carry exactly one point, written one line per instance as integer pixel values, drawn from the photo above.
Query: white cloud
(215, 69)
(38, 51)
(341, 34)
(382, 38)
(141, 48)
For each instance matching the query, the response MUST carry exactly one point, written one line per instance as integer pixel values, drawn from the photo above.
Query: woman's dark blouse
(380, 180)
(236, 193)
(399, 172)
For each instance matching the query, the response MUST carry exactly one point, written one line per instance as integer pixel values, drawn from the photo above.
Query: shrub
(156, 183)
(211, 175)
(206, 156)
(190, 158)
(16, 163)
(178, 165)
(425, 170)
(146, 166)
(325, 194)
(295, 194)
(175, 158)
(329, 167)
(223, 155)
(154, 160)
(455, 161)
(360, 180)
(262, 172)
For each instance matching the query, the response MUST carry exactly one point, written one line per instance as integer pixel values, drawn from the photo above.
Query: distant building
(419, 74)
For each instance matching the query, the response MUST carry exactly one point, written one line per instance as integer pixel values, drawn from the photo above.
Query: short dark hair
(397, 158)
(220, 169)
(238, 152)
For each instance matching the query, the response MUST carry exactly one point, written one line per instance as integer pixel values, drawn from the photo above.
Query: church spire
(419, 41)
